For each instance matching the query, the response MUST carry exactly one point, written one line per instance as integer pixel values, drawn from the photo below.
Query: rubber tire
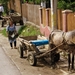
(32, 59)
(21, 51)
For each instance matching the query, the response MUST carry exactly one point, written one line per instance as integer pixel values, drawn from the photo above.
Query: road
(12, 64)
(7, 67)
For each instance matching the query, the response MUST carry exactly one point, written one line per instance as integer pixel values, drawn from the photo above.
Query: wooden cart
(16, 18)
(30, 44)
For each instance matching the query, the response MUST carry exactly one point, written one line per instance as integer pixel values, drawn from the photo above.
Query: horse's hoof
(71, 71)
(57, 66)
(53, 67)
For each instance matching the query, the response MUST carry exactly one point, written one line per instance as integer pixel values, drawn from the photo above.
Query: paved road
(7, 67)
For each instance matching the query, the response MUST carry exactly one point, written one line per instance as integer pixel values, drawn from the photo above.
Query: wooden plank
(28, 38)
(24, 41)
(30, 47)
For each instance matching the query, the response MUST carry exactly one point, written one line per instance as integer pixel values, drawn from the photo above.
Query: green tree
(33, 1)
(66, 4)
(5, 3)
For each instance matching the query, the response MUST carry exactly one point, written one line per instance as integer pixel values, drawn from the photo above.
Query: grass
(27, 30)
(3, 32)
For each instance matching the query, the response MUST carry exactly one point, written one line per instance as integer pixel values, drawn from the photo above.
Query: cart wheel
(21, 51)
(32, 60)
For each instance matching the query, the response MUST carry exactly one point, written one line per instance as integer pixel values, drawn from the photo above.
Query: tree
(66, 4)
(5, 3)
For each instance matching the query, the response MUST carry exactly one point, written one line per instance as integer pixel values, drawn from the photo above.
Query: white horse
(68, 40)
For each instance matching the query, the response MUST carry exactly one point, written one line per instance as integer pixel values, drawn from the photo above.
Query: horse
(68, 44)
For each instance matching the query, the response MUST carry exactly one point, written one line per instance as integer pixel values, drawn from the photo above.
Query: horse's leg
(52, 55)
(72, 67)
(52, 58)
(69, 61)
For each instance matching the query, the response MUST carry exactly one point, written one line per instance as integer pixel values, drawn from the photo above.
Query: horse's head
(56, 37)
(70, 37)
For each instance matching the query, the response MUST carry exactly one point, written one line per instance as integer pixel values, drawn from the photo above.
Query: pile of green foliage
(29, 30)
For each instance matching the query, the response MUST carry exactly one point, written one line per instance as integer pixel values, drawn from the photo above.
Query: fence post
(40, 15)
(47, 16)
(64, 20)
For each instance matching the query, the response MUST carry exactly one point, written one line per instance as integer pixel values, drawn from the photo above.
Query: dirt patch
(42, 68)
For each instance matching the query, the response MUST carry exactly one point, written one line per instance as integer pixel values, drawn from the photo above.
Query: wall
(11, 4)
(17, 6)
(24, 11)
(59, 17)
(31, 12)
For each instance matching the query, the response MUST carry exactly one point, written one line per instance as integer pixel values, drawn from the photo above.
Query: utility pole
(53, 14)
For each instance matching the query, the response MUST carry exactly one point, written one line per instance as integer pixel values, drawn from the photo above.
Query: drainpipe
(53, 14)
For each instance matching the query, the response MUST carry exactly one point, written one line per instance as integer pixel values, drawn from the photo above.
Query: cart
(30, 46)
(16, 18)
